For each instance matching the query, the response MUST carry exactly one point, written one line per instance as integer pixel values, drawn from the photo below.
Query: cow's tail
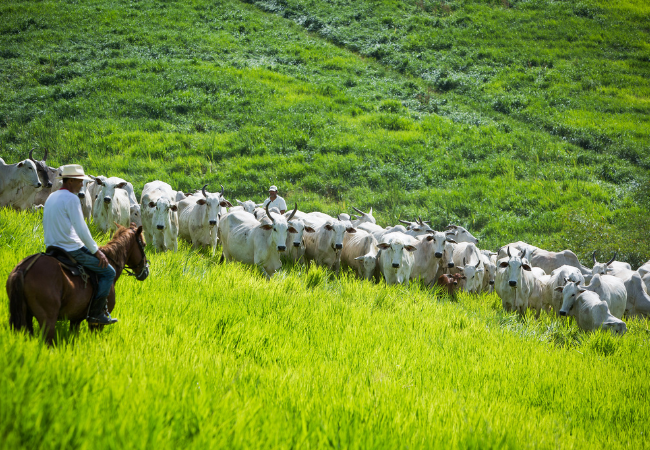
(17, 303)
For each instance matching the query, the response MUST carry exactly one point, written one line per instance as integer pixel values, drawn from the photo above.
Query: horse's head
(137, 260)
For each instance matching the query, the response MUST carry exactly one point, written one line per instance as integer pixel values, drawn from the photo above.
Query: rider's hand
(103, 262)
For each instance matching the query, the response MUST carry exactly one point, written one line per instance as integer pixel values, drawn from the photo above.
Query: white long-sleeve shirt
(63, 223)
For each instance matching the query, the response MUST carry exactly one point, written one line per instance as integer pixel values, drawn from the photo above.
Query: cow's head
(278, 226)
(299, 227)
(514, 265)
(42, 169)
(570, 292)
(27, 173)
(364, 217)
(162, 210)
(396, 250)
(368, 265)
(602, 268)
(107, 191)
(460, 234)
(490, 272)
(83, 192)
(437, 240)
(418, 227)
(335, 230)
(248, 205)
(473, 274)
(448, 253)
(215, 206)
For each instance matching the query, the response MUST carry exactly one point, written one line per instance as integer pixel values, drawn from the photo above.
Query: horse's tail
(17, 303)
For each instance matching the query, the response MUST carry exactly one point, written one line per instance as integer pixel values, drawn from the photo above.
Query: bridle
(141, 271)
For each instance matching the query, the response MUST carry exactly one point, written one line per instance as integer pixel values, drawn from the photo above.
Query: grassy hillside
(468, 112)
(214, 356)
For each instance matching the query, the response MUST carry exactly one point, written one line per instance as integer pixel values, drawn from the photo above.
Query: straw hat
(73, 171)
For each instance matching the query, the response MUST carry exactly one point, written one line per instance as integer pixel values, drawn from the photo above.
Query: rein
(143, 266)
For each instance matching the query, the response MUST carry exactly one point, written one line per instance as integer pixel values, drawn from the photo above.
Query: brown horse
(41, 288)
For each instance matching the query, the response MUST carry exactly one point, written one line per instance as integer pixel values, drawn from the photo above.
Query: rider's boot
(98, 313)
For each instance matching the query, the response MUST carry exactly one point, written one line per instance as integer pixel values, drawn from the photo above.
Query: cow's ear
(503, 264)
(429, 237)
(582, 290)
(20, 164)
(121, 185)
(351, 230)
(559, 288)
(410, 248)
(383, 245)
(226, 203)
(451, 240)
(358, 258)
(329, 227)
(201, 201)
(309, 229)
(463, 277)
(292, 230)
(174, 207)
(266, 226)
(99, 182)
(152, 205)
(526, 267)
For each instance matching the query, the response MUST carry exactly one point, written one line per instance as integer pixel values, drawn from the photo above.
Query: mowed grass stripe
(209, 355)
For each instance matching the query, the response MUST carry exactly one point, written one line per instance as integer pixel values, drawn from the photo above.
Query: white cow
(325, 244)
(86, 198)
(18, 184)
(250, 241)
(517, 286)
(549, 261)
(638, 300)
(111, 205)
(248, 206)
(644, 272)
(199, 217)
(612, 291)
(589, 310)
(160, 215)
(395, 259)
(295, 243)
(47, 175)
(359, 252)
(429, 256)
(609, 266)
(490, 270)
(518, 247)
(468, 263)
(417, 228)
(559, 277)
(362, 217)
(460, 234)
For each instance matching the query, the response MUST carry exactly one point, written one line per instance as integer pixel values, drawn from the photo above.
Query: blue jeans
(105, 275)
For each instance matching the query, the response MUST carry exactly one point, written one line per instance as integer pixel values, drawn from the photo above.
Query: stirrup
(101, 320)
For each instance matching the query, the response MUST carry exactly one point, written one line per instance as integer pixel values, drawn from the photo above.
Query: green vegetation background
(520, 120)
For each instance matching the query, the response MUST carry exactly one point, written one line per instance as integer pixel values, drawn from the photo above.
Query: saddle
(71, 265)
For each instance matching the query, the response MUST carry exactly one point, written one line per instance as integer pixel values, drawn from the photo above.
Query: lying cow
(590, 312)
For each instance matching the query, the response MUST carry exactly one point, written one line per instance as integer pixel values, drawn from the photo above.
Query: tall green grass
(214, 356)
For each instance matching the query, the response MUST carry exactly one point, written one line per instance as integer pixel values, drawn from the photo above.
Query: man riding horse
(64, 227)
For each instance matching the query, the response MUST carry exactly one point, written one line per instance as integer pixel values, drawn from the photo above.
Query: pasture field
(517, 119)
(214, 356)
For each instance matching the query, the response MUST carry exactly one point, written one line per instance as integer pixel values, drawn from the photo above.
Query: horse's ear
(138, 232)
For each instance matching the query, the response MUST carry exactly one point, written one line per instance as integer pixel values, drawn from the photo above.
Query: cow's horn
(222, 190)
(268, 214)
(405, 222)
(358, 210)
(293, 213)
(479, 262)
(593, 255)
(45, 155)
(523, 252)
(203, 190)
(463, 261)
(30, 154)
(612, 260)
(509, 256)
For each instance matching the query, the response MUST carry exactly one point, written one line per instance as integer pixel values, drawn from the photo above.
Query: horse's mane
(117, 248)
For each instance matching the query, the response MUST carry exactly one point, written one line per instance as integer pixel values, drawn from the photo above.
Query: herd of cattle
(523, 276)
